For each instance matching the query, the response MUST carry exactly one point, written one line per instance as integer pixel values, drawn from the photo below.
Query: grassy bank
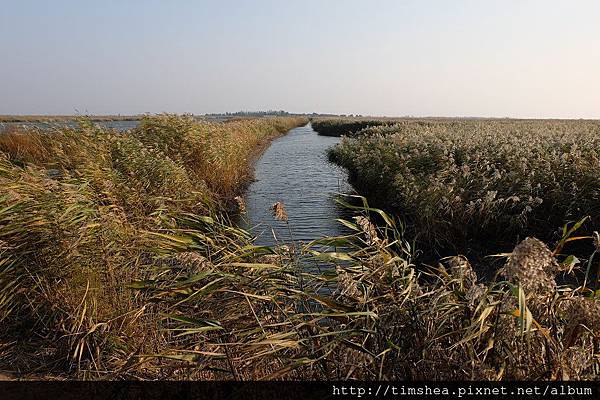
(117, 262)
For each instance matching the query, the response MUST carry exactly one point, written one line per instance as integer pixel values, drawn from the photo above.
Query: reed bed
(331, 126)
(250, 313)
(118, 262)
(343, 127)
(466, 184)
(77, 209)
(220, 154)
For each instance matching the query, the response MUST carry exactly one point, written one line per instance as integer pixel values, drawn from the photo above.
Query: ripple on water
(295, 171)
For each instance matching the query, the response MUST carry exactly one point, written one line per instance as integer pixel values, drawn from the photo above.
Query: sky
(510, 58)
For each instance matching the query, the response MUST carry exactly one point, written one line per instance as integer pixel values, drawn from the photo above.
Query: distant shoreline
(67, 118)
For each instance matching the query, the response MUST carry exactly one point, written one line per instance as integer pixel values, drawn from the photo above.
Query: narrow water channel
(295, 171)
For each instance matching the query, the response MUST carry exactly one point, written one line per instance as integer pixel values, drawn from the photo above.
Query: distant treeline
(279, 113)
(137, 117)
(251, 113)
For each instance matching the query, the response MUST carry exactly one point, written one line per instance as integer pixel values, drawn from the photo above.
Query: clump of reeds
(220, 154)
(247, 314)
(80, 209)
(465, 183)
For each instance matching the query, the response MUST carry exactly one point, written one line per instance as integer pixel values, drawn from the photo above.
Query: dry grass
(369, 315)
(116, 263)
(78, 210)
(462, 184)
(23, 147)
(220, 154)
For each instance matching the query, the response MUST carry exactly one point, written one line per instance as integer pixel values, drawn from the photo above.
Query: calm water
(295, 171)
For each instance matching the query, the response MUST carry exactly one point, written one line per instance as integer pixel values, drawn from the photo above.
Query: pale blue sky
(516, 58)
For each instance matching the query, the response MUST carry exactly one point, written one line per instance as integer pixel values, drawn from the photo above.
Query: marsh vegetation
(118, 259)
(465, 184)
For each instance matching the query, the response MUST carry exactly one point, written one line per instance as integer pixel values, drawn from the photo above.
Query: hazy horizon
(517, 59)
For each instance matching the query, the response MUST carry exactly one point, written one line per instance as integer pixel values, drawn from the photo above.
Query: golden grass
(370, 315)
(220, 154)
(116, 262)
(21, 146)
(78, 211)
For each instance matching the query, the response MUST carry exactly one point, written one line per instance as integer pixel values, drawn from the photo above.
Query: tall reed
(247, 314)
(462, 184)
(117, 262)
(79, 211)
